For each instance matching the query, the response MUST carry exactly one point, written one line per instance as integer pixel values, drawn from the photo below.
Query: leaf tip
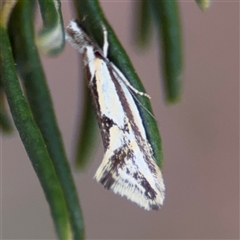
(204, 5)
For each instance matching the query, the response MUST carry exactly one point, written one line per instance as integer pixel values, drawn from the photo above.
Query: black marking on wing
(106, 124)
(149, 192)
(140, 141)
(118, 161)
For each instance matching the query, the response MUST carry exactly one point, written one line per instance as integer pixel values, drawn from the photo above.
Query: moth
(128, 167)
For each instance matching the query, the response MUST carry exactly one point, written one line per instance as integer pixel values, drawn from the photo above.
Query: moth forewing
(128, 167)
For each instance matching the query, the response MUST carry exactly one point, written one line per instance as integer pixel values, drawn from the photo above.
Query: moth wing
(126, 172)
(128, 167)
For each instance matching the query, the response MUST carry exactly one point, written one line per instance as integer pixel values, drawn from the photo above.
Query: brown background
(200, 139)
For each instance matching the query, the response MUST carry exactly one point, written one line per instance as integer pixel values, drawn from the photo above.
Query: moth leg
(105, 50)
(122, 78)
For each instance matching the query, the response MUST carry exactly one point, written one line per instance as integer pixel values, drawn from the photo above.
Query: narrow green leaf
(51, 38)
(143, 22)
(204, 5)
(93, 15)
(166, 14)
(5, 122)
(32, 138)
(6, 7)
(39, 98)
(87, 131)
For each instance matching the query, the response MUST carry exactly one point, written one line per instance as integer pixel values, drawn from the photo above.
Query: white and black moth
(128, 167)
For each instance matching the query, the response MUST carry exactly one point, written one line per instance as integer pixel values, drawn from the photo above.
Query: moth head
(77, 37)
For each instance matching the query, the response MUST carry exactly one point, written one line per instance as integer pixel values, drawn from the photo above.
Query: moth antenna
(105, 40)
(143, 105)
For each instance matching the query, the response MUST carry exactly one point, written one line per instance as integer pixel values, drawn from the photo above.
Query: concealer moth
(128, 167)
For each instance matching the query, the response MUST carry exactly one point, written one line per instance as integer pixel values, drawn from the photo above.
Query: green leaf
(6, 7)
(94, 17)
(204, 5)
(32, 138)
(166, 14)
(5, 122)
(87, 131)
(51, 38)
(31, 72)
(143, 22)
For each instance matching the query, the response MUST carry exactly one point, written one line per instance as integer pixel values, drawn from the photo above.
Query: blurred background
(200, 138)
